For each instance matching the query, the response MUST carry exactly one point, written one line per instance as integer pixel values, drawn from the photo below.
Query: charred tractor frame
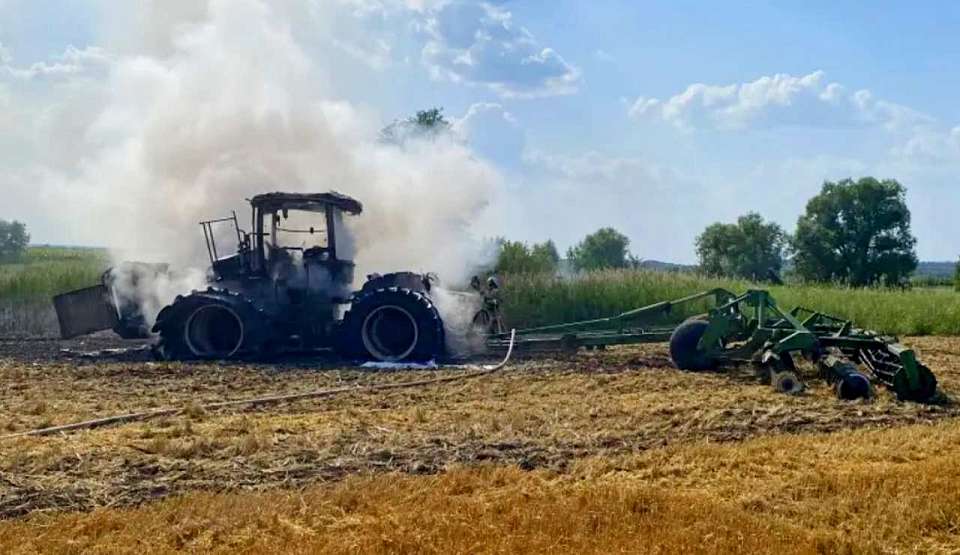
(751, 328)
(286, 288)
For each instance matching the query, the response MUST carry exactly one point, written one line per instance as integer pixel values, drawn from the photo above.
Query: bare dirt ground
(547, 413)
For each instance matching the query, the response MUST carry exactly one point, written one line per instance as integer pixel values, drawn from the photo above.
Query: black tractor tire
(683, 346)
(214, 324)
(393, 324)
(401, 280)
(132, 328)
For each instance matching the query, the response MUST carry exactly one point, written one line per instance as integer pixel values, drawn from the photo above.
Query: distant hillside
(935, 269)
(666, 266)
(565, 267)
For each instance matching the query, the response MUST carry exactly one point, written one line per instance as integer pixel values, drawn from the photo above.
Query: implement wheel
(683, 346)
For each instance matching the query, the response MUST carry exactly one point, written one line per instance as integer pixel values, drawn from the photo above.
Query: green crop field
(46, 271)
(532, 300)
(529, 300)
(26, 285)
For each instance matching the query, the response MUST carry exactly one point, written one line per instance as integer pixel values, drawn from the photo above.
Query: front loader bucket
(85, 311)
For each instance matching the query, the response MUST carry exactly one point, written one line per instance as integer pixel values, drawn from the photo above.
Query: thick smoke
(215, 102)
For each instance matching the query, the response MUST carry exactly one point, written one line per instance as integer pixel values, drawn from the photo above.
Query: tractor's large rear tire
(683, 346)
(391, 325)
(213, 324)
(401, 280)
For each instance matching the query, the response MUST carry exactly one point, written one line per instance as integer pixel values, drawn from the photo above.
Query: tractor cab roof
(306, 201)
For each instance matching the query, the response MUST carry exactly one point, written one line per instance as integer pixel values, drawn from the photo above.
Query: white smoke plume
(200, 105)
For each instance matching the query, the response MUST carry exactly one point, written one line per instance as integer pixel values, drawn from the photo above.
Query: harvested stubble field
(606, 450)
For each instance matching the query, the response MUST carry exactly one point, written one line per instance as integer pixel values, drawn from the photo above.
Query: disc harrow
(722, 328)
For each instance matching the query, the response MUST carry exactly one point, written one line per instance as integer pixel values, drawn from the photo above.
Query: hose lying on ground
(146, 415)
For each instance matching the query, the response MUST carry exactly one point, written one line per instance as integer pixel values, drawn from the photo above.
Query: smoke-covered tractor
(286, 288)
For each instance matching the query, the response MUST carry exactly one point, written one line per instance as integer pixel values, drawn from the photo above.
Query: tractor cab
(296, 238)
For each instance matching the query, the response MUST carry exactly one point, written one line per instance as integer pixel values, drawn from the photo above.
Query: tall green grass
(45, 271)
(534, 300)
(27, 285)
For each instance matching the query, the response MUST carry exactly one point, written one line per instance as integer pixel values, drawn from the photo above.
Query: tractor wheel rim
(201, 341)
(375, 327)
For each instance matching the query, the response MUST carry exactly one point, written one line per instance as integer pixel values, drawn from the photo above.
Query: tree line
(13, 240)
(852, 232)
(602, 249)
(855, 232)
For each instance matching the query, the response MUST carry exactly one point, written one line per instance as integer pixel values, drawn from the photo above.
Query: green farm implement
(750, 328)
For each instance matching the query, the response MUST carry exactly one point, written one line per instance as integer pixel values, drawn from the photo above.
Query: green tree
(426, 124)
(956, 276)
(857, 232)
(545, 255)
(750, 248)
(13, 239)
(516, 257)
(604, 248)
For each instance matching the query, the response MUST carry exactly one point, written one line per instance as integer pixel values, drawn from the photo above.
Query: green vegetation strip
(45, 271)
(535, 300)
(539, 299)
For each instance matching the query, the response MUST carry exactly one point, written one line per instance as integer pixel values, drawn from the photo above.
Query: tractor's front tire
(683, 346)
(391, 325)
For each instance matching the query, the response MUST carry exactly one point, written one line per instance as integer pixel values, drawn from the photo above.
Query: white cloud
(593, 167)
(773, 101)
(73, 61)
(481, 112)
(375, 56)
(479, 44)
(931, 145)
(493, 133)
(368, 7)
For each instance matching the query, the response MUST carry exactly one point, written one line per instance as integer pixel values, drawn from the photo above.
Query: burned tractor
(286, 288)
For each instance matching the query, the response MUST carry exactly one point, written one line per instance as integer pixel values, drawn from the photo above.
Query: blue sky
(658, 118)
